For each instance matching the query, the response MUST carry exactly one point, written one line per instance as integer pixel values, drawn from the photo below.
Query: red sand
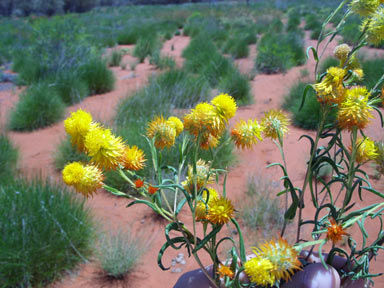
(37, 148)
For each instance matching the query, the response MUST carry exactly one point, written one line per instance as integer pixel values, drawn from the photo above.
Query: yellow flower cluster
(274, 124)
(106, 151)
(274, 260)
(164, 132)
(246, 134)
(202, 205)
(354, 111)
(364, 7)
(220, 211)
(366, 150)
(374, 26)
(331, 90)
(203, 176)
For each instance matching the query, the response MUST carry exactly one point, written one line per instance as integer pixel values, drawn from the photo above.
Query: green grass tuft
(8, 159)
(114, 59)
(97, 76)
(45, 231)
(38, 107)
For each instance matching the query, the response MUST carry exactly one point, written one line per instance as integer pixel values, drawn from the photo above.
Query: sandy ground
(37, 148)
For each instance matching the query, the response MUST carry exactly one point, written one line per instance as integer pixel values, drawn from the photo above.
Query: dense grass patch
(309, 116)
(279, 52)
(237, 47)
(39, 106)
(373, 70)
(45, 231)
(97, 76)
(237, 85)
(70, 87)
(8, 159)
(294, 19)
(115, 57)
(119, 252)
(146, 46)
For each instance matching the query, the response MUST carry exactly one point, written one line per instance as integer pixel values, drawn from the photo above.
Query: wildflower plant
(276, 261)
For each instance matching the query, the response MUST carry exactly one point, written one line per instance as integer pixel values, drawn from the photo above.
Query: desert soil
(37, 149)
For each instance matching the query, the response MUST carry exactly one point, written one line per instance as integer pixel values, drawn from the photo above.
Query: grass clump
(279, 52)
(373, 70)
(38, 107)
(70, 87)
(46, 232)
(162, 62)
(237, 85)
(115, 58)
(237, 47)
(309, 116)
(98, 77)
(119, 252)
(294, 20)
(8, 159)
(262, 210)
(146, 46)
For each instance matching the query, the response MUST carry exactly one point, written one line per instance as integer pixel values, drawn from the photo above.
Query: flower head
(374, 27)
(77, 126)
(139, 183)
(209, 141)
(84, 178)
(105, 149)
(259, 271)
(330, 89)
(354, 111)
(366, 150)
(220, 211)
(203, 176)
(342, 51)
(152, 190)
(202, 205)
(335, 232)
(224, 270)
(246, 134)
(283, 257)
(176, 124)
(163, 132)
(133, 158)
(225, 106)
(203, 119)
(364, 7)
(274, 123)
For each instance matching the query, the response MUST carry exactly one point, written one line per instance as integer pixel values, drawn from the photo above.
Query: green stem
(351, 172)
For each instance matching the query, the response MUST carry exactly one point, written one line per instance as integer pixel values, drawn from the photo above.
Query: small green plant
(279, 52)
(97, 76)
(261, 210)
(8, 159)
(39, 106)
(237, 47)
(294, 19)
(146, 46)
(123, 66)
(114, 59)
(237, 85)
(46, 232)
(162, 62)
(379, 161)
(119, 252)
(70, 87)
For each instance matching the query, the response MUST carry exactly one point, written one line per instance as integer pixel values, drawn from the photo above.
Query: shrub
(293, 20)
(66, 153)
(38, 107)
(350, 27)
(114, 58)
(312, 22)
(261, 211)
(145, 46)
(237, 85)
(237, 47)
(119, 252)
(97, 76)
(46, 232)
(316, 33)
(279, 52)
(70, 87)
(309, 116)
(8, 159)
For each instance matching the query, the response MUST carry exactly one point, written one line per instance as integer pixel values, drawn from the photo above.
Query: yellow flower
(274, 123)
(77, 126)
(246, 134)
(203, 119)
(133, 158)
(105, 149)
(177, 124)
(282, 256)
(225, 106)
(259, 271)
(330, 89)
(220, 211)
(203, 176)
(208, 141)
(202, 205)
(84, 178)
(364, 7)
(163, 133)
(358, 73)
(354, 111)
(341, 52)
(374, 27)
(366, 150)
(335, 232)
(225, 271)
